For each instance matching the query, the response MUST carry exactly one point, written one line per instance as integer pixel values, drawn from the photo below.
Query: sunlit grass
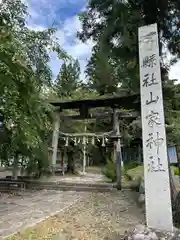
(137, 172)
(42, 231)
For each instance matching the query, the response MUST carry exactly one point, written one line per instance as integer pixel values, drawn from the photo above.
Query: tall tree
(68, 79)
(101, 72)
(24, 72)
(114, 24)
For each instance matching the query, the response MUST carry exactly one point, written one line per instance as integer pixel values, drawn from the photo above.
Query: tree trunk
(175, 198)
(39, 170)
(70, 165)
(15, 167)
(176, 210)
(172, 185)
(22, 165)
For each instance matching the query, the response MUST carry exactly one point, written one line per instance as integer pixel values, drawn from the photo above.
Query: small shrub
(110, 171)
(176, 171)
(135, 173)
(127, 176)
(135, 185)
(131, 165)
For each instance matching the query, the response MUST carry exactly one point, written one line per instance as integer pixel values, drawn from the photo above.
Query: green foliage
(131, 165)
(176, 171)
(129, 169)
(26, 79)
(24, 72)
(118, 23)
(110, 171)
(101, 73)
(116, 51)
(68, 79)
(38, 162)
(116, 37)
(132, 170)
(136, 173)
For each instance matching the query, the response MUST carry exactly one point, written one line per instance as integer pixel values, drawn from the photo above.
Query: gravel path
(87, 178)
(69, 215)
(102, 216)
(28, 208)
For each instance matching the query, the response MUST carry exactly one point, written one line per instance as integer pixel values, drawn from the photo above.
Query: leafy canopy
(24, 72)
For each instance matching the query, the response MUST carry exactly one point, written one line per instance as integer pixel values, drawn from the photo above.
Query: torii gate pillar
(55, 138)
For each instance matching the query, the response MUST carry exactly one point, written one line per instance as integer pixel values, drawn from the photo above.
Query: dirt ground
(97, 216)
(21, 211)
(57, 215)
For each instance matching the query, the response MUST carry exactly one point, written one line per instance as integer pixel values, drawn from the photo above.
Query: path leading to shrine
(56, 215)
(28, 208)
(102, 216)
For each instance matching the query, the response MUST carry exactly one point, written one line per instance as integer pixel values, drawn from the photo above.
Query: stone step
(65, 186)
(62, 183)
(77, 188)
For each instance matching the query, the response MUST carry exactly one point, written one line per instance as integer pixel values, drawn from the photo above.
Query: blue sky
(64, 15)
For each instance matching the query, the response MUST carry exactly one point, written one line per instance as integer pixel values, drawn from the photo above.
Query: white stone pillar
(156, 173)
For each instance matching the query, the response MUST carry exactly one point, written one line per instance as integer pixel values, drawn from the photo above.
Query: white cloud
(175, 72)
(66, 35)
(68, 40)
(36, 27)
(80, 50)
(71, 26)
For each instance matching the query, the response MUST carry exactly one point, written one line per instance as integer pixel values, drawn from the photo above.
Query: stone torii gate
(131, 102)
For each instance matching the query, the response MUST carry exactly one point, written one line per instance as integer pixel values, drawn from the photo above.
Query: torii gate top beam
(126, 102)
(125, 115)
